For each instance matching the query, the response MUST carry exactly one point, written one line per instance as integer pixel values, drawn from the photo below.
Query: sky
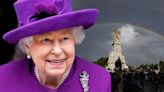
(145, 13)
(142, 29)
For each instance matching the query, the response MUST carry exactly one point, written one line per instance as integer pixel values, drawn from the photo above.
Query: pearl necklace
(38, 77)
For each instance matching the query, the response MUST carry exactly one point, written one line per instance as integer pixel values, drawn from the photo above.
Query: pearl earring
(28, 56)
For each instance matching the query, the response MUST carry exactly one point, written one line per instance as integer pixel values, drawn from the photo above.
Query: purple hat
(39, 16)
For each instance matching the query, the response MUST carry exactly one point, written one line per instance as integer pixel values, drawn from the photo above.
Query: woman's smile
(56, 63)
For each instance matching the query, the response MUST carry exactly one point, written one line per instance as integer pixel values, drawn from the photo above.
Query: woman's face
(53, 53)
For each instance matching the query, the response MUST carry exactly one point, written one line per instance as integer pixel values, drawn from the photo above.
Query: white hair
(78, 33)
(23, 42)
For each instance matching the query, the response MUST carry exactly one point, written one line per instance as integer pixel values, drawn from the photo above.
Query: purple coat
(18, 76)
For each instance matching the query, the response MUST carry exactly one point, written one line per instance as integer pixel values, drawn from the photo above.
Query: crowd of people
(138, 81)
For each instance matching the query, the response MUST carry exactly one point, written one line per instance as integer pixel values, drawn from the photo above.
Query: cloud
(128, 35)
(140, 45)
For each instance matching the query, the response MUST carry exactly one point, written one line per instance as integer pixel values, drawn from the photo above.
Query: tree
(161, 65)
(153, 66)
(143, 66)
(102, 61)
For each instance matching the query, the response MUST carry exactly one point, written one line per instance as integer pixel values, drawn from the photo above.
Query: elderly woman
(47, 33)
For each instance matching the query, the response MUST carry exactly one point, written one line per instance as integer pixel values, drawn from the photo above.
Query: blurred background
(7, 22)
(142, 41)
